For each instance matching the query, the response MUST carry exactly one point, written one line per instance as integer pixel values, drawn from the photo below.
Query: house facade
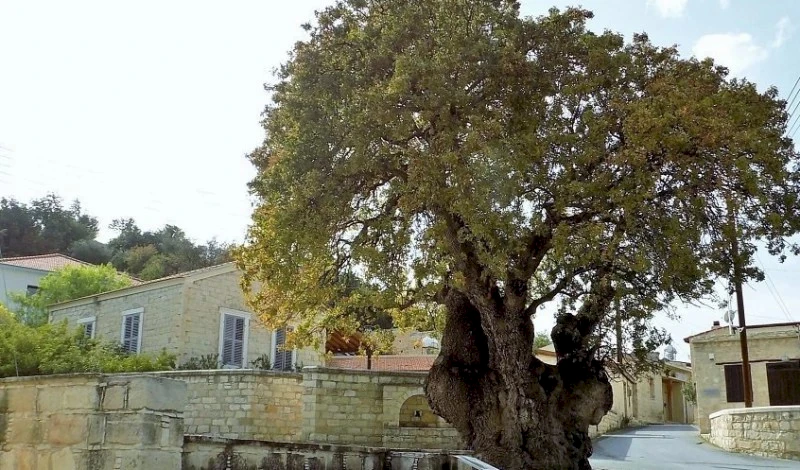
(774, 353)
(194, 314)
(22, 274)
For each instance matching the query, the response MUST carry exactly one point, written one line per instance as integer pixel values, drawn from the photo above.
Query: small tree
(68, 283)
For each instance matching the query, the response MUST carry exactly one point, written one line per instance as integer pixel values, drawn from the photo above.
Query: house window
(31, 290)
(234, 328)
(651, 383)
(734, 383)
(131, 336)
(88, 324)
(283, 359)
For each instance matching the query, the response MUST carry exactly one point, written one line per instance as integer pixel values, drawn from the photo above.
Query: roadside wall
(242, 404)
(91, 422)
(766, 431)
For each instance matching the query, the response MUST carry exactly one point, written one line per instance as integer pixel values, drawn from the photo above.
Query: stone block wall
(90, 422)
(766, 431)
(364, 407)
(242, 404)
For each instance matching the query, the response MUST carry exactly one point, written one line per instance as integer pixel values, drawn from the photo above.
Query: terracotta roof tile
(409, 363)
(49, 262)
(52, 262)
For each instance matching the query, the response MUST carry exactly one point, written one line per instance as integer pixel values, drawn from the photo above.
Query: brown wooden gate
(783, 380)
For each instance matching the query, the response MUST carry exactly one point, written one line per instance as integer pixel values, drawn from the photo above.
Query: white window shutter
(130, 335)
(283, 356)
(233, 332)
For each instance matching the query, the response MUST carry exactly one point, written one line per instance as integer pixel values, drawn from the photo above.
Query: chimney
(716, 323)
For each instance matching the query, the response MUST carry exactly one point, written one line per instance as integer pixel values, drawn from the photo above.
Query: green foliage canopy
(444, 142)
(68, 283)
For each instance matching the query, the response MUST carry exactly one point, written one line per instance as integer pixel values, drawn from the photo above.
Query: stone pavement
(672, 447)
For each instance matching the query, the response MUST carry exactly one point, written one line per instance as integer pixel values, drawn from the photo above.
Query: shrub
(56, 349)
(204, 362)
(262, 362)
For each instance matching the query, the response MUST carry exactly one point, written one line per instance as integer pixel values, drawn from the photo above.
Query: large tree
(43, 226)
(451, 152)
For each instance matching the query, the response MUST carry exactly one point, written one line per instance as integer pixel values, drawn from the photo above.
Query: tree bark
(514, 410)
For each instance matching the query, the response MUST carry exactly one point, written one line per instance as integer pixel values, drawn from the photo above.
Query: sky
(147, 109)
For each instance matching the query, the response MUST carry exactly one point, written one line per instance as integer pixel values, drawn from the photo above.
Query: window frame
(223, 311)
(127, 313)
(93, 321)
(275, 350)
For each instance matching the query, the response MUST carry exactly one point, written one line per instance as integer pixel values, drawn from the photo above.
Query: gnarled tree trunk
(514, 410)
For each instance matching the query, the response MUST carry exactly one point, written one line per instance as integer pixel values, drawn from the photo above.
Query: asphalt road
(672, 447)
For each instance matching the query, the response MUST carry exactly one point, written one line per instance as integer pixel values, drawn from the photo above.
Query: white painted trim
(126, 313)
(93, 321)
(235, 313)
(275, 348)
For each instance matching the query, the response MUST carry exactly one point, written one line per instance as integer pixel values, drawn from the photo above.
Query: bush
(55, 349)
(204, 362)
(262, 362)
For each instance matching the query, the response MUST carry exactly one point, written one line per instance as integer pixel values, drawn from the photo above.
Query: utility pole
(618, 325)
(737, 281)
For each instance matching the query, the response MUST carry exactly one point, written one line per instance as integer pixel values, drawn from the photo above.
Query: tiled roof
(408, 363)
(49, 262)
(52, 262)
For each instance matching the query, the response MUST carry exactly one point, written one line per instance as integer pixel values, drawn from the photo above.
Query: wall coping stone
(754, 410)
(378, 373)
(60, 377)
(215, 372)
(197, 438)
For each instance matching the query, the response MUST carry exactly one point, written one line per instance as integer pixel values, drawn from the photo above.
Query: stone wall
(242, 404)
(90, 422)
(202, 453)
(766, 431)
(364, 407)
(714, 349)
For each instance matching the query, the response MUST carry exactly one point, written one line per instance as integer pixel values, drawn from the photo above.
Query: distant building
(774, 351)
(648, 397)
(22, 274)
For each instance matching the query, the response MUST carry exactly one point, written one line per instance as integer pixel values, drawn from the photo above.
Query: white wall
(17, 279)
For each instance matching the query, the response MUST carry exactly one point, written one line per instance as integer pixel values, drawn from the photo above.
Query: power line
(789, 96)
(776, 295)
(792, 117)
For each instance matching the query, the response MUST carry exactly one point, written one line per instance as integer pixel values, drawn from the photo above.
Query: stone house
(774, 351)
(649, 397)
(192, 314)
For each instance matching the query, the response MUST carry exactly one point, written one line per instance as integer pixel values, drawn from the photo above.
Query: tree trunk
(514, 410)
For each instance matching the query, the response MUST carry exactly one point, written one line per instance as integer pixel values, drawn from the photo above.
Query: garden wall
(770, 431)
